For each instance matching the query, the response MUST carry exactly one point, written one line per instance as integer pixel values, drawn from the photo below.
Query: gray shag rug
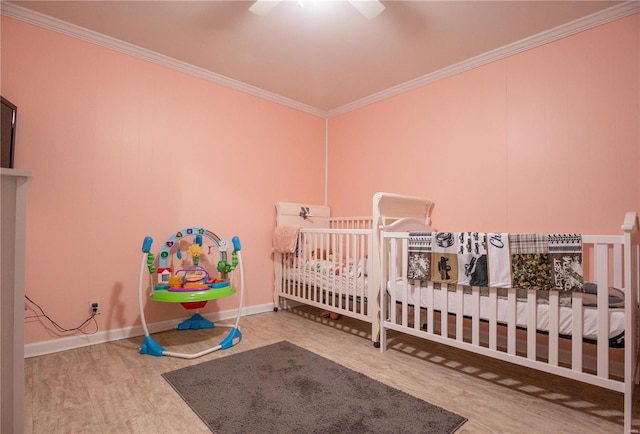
(282, 388)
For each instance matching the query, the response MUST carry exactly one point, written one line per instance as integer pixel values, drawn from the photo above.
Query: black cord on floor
(58, 327)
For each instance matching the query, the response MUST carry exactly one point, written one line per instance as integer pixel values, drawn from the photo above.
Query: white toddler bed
(333, 262)
(495, 321)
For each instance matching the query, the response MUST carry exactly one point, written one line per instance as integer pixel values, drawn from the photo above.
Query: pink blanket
(285, 238)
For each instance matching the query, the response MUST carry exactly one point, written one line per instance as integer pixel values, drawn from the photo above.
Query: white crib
(336, 264)
(498, 323)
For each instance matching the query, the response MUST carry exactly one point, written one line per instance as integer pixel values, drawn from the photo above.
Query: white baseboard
(71, 342)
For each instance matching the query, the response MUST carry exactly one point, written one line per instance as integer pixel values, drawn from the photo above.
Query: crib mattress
(565, 321)
(342, 284)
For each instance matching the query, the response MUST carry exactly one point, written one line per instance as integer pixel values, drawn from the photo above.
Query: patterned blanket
(525, 261)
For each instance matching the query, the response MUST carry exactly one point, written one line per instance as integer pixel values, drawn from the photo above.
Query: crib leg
(276, 302)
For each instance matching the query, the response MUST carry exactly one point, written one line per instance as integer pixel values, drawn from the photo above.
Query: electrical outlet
(93, 307)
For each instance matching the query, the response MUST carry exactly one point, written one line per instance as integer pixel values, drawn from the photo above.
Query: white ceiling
(324, 57)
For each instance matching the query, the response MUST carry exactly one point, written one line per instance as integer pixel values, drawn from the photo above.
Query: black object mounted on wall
(7, 131)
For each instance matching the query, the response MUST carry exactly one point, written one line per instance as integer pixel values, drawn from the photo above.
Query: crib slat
(304, 268)
(531, 324)
(404, 317)
(365, 258)
(315, 246)
(602, 276)
(493, 318)
(430, 315)
(343, 268)
(305, 250)
(553, 327)
(576, 332)
(326, 283)
(326, 278)
(331, 276)
(444, 320)
(386, 296)
(475, 317)
(405, 299)
(305, 254)
(299, 271)
(338, 290)
(404, 260)
(348, 268)
(342, 272)
(312, 247)
(393, 278)
(417, 302)
(285, 272)
(511, 320)
(617, 266)
(460, 314)
(295, 274)
(352, 269)
(291, 287)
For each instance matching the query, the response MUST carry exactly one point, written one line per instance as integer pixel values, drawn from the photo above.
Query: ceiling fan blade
(369, 8)
(263, 7)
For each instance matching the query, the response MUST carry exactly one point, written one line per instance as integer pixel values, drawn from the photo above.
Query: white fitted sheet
(565, 322)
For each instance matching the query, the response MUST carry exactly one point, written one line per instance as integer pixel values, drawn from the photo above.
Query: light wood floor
(111, 388)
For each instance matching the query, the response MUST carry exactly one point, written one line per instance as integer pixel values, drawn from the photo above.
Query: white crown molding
(65, 28)
(607, 15)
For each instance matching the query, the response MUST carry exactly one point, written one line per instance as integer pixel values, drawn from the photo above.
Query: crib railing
(329, 270)
(351, 222)
(608, 261)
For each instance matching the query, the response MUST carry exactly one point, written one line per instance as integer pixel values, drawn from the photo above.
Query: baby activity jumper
(193, 285)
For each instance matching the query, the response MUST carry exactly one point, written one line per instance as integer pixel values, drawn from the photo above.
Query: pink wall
(546, 140)
(122, 148)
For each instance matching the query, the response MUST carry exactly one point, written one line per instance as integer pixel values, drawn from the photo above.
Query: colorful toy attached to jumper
(192, 286)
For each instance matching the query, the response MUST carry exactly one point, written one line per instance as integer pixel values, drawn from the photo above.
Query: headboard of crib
(389, 207)
(409, 224)
(303, 215)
